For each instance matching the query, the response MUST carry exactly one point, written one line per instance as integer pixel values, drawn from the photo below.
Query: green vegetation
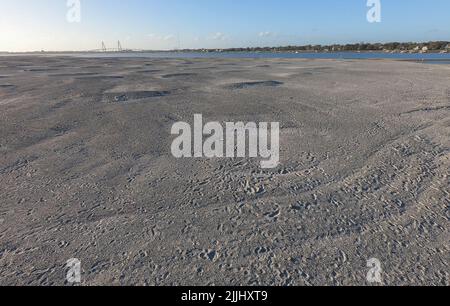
(433, 46)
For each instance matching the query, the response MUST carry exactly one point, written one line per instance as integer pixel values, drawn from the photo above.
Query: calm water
(429, 57)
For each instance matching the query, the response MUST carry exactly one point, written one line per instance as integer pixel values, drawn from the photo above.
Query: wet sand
(86, 172)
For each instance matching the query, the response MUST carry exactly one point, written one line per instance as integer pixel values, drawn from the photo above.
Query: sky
(34, 25)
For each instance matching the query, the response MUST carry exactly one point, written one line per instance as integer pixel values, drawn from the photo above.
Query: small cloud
(168, 37)
(265, 34)
(159, 37)
(218, 36)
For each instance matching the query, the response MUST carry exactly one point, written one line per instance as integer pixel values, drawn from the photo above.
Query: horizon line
(228, 48)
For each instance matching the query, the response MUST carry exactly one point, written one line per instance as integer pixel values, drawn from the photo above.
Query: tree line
(433, 46)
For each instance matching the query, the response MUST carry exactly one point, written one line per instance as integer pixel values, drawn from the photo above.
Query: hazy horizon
(189, 24)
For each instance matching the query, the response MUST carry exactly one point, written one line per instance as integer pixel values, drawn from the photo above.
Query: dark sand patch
(41, 69)
(7, 86)
(79, 74)
(204, 68)
(134, 96)
(243, 85)
(16, 165)
(234, 71)
(60, 130)
(93, 67)
(61, 104)
(101, 77)
(178, 75)
(148, 71)
(427, 109)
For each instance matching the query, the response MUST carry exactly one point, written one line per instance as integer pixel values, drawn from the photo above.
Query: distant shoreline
(390, 47)
(215, 51)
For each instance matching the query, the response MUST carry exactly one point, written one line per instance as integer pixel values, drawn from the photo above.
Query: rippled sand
(86, 172)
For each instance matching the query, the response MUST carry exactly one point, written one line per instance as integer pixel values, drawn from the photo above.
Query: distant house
(446, 49)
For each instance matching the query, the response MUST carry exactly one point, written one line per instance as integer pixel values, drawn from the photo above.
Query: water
(435, 58)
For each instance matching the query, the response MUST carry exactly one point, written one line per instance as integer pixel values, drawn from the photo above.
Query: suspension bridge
(118, 48)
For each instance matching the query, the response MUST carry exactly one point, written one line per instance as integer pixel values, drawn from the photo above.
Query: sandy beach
(86, 172)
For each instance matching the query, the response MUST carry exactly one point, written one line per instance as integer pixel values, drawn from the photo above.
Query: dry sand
(86, 172)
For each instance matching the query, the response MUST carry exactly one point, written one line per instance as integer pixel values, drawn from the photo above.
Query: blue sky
(27, 25)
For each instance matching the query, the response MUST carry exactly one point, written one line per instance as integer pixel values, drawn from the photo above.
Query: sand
(86, 172)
